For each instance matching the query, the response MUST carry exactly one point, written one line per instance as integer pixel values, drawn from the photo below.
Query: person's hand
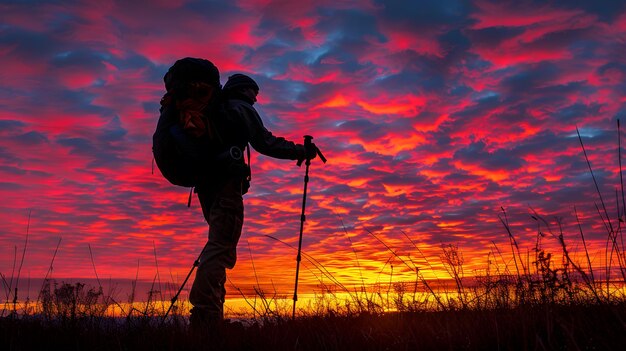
(306, 153)
(311, 152)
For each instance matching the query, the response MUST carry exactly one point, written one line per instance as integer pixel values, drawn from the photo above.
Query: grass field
(541, 327)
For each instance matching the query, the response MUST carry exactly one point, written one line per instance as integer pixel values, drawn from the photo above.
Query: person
(221, 198)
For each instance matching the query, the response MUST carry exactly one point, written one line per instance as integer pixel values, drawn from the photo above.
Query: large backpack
(185, 139)
(193, 141)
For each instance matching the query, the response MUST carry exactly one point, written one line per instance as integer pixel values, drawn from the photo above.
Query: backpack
(184, 135)
(187, 144)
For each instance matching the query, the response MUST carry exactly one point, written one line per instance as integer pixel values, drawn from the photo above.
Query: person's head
(241, 84)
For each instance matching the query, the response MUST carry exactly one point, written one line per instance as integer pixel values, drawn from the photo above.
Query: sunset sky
(433, 115)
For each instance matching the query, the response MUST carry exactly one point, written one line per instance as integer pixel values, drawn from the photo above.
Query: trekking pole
(196, 263)
(307, 146)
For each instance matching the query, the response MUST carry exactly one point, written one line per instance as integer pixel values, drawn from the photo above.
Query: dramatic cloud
(434, 115)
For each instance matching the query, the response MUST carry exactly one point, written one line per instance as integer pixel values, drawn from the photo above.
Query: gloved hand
(311, 152)
(306, 153)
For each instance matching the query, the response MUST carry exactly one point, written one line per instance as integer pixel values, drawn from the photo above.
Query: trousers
(223, 210)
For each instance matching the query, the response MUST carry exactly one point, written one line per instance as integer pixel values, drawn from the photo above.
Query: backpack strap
(190, 196)
(249, 167)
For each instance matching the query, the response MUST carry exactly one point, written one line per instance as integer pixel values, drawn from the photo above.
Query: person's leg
(224, 213)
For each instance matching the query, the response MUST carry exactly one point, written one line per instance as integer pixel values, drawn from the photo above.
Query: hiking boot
(202, 319)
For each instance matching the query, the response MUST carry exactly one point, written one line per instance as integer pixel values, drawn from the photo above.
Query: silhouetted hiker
(221, 195)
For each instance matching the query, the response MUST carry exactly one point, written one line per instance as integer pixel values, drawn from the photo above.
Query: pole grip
(307, 141)
(308, 144)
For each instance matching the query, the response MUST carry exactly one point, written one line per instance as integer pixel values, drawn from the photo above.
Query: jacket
(254, 132)
(243, 126)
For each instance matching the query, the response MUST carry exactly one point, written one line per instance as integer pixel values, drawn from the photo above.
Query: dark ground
(597, 327)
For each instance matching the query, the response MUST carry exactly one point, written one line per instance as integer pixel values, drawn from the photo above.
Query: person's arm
(263, 141)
